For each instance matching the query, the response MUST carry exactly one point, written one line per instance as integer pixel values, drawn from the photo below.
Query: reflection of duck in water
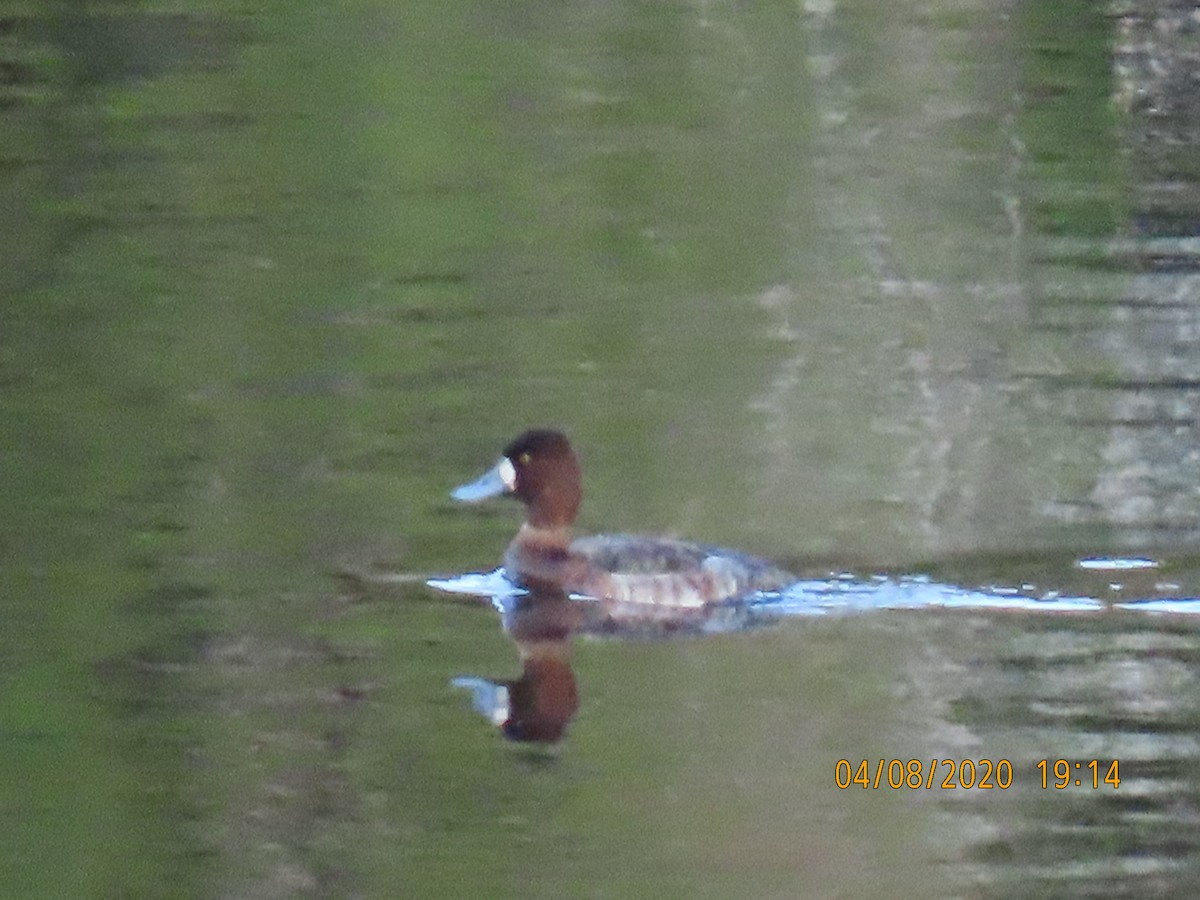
(636, 577)
(538, 705)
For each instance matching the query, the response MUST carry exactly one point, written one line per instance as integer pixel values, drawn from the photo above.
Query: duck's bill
(496, 481)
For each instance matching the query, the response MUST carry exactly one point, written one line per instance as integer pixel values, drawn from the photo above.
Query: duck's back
(634, 569)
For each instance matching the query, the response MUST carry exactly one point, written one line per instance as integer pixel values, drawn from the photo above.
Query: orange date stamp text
(923, 774)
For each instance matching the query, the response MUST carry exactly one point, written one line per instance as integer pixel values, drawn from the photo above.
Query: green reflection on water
(280, 277)
(1070, 123)
(164, 393)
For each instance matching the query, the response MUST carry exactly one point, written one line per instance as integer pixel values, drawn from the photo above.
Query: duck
(630, 573)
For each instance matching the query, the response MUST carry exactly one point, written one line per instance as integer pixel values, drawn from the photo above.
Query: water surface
(903, 290)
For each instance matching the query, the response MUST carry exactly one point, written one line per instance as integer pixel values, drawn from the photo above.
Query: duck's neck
(556, 505)
(544, 537)
(540, 559)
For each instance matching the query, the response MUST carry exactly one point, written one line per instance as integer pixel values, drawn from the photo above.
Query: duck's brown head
(539, 469)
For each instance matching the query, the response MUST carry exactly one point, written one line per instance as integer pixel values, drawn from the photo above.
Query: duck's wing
(725, 572)
(627, 554)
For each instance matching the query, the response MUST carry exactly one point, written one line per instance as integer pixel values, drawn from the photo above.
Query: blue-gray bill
(492, 483)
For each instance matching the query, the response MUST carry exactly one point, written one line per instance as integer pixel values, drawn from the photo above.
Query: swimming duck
(539, 468)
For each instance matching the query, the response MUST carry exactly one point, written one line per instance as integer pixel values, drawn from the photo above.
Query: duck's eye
(524, 459)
